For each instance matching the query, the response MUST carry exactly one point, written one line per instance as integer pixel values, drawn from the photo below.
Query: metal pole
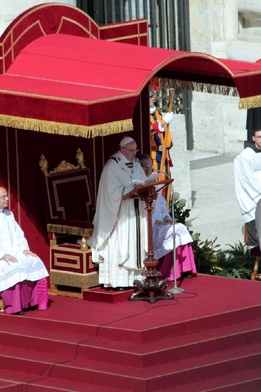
(175, 289)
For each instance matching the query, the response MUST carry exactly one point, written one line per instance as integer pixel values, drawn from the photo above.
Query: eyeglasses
(131, 150)
(4, 197)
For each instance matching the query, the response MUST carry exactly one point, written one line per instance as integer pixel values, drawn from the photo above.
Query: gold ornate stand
(150, 288)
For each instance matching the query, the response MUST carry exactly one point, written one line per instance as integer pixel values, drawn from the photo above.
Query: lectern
(150, 288)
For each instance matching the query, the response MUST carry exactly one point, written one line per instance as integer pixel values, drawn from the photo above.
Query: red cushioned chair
(69, 207)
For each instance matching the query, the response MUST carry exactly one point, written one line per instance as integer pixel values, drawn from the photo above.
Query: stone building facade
(226, 29)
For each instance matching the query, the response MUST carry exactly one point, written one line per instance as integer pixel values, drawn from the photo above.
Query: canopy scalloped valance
(244, 103)
(66, 129)
(74, 85)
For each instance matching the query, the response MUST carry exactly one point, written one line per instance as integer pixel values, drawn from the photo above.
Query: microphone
(144, 164)
(139, 161)
(160, 171)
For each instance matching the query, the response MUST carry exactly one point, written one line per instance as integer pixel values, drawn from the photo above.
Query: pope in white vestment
(119, 239)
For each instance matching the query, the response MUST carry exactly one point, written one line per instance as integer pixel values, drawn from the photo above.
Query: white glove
(168, 117)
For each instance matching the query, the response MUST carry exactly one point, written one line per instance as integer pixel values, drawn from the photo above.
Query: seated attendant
(162, 227)
(23, 275)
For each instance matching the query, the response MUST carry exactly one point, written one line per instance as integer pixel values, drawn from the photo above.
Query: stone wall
(225, 29)
(220, 29)
(180, 172)
(218, 125)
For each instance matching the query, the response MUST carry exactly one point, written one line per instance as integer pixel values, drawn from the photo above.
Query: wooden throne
(69, 209)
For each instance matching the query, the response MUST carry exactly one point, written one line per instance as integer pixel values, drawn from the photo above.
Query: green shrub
(206, 255)
(236, 262)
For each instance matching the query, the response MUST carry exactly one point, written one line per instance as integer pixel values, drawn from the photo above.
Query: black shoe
(106, 287)
(120, 288)
(19, 313)
(187, 275)
(35, 307)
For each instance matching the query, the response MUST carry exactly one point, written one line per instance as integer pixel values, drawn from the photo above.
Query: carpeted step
(53, 385)
(9, 386)
(176, 348)
(208, 338)
(239, 382)
(139, 328)
(243, 381)
(140, 355)
(40, 340)
(175, 372)
(37, 324)
(65, 345)
(150, 332)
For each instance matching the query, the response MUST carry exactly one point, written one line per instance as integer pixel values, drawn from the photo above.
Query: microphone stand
(175, 289)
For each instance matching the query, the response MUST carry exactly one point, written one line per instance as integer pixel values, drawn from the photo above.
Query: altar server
(163, 243)
(247, 174)
(23, 284)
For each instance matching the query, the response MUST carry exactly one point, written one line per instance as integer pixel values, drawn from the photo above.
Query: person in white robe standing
(23, 284)
(247, 177)
(119, 239)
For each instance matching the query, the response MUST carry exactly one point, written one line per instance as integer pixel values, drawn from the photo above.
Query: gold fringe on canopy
(250, 102)
(31, 124)
(244, 103)
(200, 87)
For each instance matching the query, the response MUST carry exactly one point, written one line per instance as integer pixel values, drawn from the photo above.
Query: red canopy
(74, 85)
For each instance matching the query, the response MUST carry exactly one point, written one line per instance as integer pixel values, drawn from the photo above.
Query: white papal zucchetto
(126, 140)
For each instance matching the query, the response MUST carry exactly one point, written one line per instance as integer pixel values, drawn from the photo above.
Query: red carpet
(207, 338)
